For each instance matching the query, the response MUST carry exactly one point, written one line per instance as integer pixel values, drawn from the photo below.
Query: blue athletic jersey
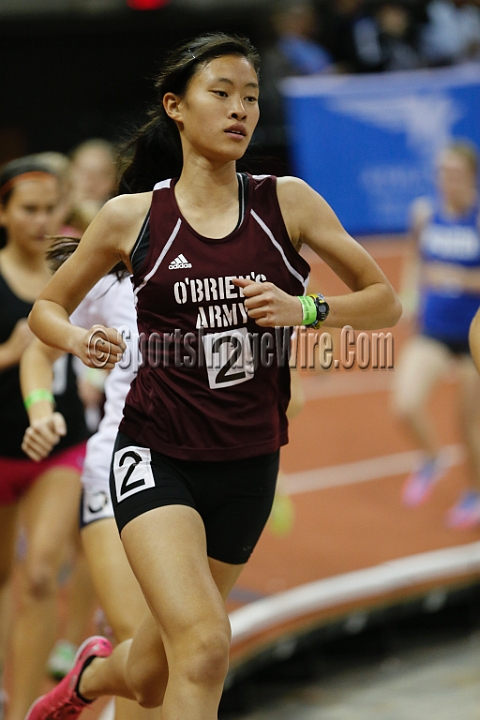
(446, 313)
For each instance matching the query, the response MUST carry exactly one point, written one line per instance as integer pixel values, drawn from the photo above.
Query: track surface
(344, 468)
(352, 546)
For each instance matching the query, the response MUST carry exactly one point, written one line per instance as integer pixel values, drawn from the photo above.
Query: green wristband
(36, 396)
(309, 309)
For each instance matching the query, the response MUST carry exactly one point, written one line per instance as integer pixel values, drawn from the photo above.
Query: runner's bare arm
(310, 220)
(107, 241)
(36, 370)
(420, 213)
(46, 426)
(474, 340)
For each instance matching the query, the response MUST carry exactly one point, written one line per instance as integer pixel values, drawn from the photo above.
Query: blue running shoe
(419, 485)
(465, 515)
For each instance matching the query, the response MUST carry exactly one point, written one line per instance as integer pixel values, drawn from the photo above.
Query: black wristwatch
(322, 310)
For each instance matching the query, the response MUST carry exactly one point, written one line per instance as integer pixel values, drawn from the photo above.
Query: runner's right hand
(100, 347)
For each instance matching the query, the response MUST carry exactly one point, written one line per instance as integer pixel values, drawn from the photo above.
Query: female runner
(215, 265)
(44, 494)
(447, 234)
(110, 303)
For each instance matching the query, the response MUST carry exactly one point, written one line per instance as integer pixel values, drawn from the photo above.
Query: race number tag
(96, 505)
(132, 471)
(228, 357)
(60, 375)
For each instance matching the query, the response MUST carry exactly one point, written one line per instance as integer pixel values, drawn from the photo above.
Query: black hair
(63, 246)
(154, 153)
(22, 165)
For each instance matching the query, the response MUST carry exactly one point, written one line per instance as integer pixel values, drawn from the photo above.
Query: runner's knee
(40, 580)
(199, 658)
(203, 653)
(405, 405)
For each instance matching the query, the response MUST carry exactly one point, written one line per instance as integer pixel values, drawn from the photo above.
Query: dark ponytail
(154, 153)
(63, 246)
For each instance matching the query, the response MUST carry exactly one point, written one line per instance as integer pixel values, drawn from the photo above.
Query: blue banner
(369, 143)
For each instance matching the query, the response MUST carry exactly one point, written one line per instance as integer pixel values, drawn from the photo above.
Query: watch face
(323, 309)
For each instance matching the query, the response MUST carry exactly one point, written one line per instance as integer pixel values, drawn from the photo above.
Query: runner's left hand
(42, 436)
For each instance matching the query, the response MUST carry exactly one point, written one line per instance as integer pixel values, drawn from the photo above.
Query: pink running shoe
(64, 701)
(419, 485)
(465, 515)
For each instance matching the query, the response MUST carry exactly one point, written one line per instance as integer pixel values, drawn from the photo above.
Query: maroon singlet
(210, 388)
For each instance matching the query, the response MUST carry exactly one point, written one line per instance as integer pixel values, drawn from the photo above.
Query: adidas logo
(179, 263)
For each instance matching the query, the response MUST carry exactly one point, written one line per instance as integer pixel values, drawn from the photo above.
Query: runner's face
(456, 178)
(29, 215)
(93, 175)
(219, 111)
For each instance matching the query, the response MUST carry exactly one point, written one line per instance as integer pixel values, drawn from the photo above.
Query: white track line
(108, 713)
(363, 470)
(266, 613)
(387, 577)
(338, 383)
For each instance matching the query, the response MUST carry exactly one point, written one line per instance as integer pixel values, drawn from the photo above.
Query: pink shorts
(18, 474)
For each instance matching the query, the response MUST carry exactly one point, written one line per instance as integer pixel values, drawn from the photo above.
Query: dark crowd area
(71, 76)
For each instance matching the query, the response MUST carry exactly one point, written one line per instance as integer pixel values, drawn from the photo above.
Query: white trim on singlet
(162, 184)
(290, 267)
(166, 248)
(243, 183)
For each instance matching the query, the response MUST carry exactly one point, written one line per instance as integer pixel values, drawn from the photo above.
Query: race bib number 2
(132, 471)
(228, 358)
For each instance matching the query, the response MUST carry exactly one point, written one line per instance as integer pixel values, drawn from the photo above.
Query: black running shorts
(233, 498)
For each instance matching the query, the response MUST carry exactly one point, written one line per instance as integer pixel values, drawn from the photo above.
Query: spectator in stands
(340, 18)
(297, 27)
(395, 36)
(294, 51)
(382, 39)
(372, 37)
(452, 33)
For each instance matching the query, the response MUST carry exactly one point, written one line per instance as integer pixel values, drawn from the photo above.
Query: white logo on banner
(426, 120)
